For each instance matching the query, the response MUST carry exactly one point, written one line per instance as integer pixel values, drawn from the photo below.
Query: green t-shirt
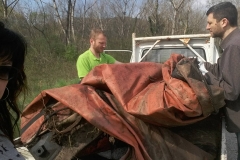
(87, 61)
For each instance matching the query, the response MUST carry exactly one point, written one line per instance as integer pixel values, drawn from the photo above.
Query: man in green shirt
(94, 55)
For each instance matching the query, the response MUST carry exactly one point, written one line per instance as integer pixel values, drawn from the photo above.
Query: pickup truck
(202, 46)
(208, 134)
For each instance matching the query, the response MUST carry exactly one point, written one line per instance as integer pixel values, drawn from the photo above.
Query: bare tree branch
(176, 8)
(6, 6)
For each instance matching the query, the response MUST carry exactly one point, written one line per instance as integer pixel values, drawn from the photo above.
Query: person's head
(12, 77)
(220, 18)
(98, 40)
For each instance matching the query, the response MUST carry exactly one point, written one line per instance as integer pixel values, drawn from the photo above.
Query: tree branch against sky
(8, 4)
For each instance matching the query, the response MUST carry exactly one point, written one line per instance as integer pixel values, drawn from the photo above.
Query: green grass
(46, 73)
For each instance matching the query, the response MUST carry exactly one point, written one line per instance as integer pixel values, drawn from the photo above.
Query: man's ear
(91, 40)
(224, 22)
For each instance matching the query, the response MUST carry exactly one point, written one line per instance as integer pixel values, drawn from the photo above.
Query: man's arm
(111, 59)
(82, 67)
(225, 73)
(117, 62)
(213, 68)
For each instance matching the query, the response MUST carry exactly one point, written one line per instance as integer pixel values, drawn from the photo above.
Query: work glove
(202, 68)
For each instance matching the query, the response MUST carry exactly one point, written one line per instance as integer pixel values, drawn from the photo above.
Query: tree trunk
(176, 9)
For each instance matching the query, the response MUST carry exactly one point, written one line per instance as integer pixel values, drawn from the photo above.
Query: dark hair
(225, 10)
(13, 48)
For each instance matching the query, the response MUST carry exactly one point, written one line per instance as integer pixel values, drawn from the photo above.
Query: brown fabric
(133, 102)
(148, 91)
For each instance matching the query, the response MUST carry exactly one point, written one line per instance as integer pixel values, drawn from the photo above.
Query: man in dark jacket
(222, 23)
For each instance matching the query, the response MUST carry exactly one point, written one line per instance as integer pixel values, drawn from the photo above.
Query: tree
(8, 6)
(68, 27)
(176, 8)
(155, 19)
(124, 15)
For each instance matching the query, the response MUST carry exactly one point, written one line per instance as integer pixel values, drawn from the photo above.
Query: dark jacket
(226, 74)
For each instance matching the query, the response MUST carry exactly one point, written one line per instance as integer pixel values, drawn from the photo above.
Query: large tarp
(137, 103)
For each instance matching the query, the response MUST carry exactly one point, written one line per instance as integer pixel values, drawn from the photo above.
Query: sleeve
(228, 77)
(7, 150)
(82, 67)
(213, 68)
(110, 59)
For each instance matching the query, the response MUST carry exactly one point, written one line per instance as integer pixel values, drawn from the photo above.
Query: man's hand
(202, 67)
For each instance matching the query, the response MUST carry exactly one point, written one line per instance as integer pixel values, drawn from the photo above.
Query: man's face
(99, 44)
(215, 28)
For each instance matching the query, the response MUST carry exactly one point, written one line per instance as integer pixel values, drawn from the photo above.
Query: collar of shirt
(92, 56)
(225, 42)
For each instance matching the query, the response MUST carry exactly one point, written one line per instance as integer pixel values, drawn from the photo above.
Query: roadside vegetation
(57, 31)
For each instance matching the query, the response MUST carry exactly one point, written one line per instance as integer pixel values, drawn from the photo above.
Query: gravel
(231, 144)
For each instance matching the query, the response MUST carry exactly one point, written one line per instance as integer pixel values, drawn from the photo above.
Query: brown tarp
(135, 103)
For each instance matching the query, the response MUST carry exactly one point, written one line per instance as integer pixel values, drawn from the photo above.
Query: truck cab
(159, 48)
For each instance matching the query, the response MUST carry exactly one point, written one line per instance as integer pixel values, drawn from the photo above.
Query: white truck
(202, 46)
(158, 49)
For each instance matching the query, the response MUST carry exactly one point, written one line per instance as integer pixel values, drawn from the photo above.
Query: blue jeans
(238, 144)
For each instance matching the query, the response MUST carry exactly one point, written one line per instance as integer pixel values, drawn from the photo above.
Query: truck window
(160, 55)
